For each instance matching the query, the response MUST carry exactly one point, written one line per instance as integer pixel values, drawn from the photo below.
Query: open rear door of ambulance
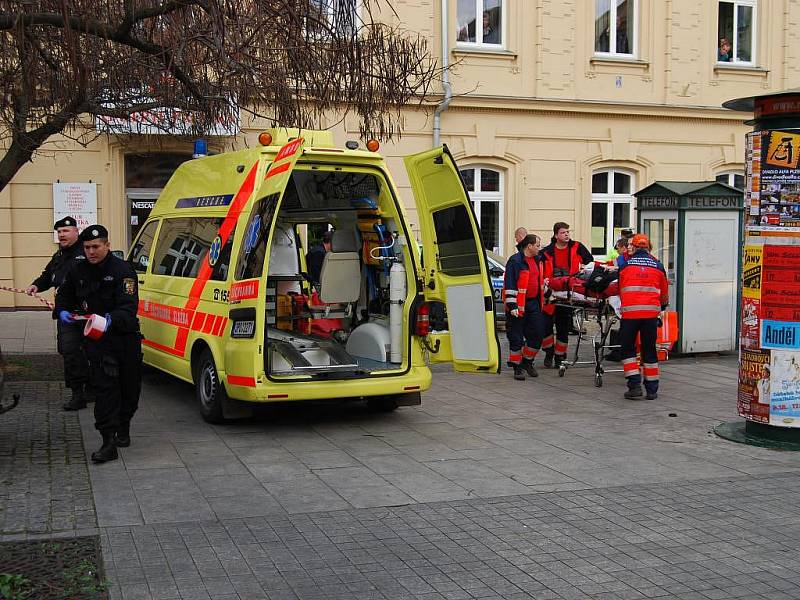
(454, 259)
(246, 346)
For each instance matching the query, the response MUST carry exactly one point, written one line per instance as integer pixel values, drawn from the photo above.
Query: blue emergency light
(200, 149)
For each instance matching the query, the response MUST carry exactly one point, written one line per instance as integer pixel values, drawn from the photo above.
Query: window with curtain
(612, 208)
(485, 186)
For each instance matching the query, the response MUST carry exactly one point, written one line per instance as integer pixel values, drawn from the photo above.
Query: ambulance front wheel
(209, 389)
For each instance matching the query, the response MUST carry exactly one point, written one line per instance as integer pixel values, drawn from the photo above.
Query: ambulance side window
(142, 248)
(184, 244)
(254, 240)
(458, 252)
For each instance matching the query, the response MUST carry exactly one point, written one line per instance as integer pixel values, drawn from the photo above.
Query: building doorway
(145, 177)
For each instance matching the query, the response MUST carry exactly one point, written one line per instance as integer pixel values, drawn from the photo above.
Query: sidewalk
(548, 488)
(27, 332)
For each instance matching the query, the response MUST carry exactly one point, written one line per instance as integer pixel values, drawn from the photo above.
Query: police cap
(65, 222)
(93, 232)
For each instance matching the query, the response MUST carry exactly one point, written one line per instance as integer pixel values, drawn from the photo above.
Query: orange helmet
(640, 240)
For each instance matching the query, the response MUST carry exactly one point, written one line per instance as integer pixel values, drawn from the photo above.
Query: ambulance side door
(455, 271)
(245, 346)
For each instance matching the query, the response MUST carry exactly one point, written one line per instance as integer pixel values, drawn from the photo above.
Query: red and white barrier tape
(44, 301)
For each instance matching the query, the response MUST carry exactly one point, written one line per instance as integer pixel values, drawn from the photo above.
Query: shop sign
(76, 200)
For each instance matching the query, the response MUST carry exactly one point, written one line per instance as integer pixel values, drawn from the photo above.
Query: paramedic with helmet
(644, 293)
(522, 295)
(562, 258)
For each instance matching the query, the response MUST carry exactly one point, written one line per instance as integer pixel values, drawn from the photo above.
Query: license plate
(243, 329)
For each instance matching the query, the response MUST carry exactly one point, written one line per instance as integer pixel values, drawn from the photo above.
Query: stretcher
(604, 309)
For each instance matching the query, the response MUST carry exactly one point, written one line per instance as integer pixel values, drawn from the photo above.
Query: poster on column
(780, 297)
(778, 181)
(784, 393)
(77, 200)
(749, 331)
(754, 385)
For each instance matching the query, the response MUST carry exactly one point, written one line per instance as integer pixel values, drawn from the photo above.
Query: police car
(497, 271)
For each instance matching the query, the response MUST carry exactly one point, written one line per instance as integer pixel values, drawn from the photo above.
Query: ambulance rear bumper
(418, 379)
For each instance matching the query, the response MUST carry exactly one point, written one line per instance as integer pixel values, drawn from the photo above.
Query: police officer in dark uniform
(106, 285)
(70, 336)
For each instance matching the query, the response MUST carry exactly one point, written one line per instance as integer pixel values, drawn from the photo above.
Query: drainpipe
(448, 91)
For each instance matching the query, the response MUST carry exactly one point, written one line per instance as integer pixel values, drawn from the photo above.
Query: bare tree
(193, 65)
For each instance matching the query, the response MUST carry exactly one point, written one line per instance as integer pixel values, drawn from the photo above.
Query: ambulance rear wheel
(209, 389)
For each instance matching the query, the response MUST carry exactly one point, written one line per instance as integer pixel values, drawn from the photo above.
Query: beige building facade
(560, 111)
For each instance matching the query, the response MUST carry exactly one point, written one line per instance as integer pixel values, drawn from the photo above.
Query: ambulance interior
(349, 322)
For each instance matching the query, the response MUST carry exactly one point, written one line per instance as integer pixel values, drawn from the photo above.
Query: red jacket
(643, 286)
(577, 254)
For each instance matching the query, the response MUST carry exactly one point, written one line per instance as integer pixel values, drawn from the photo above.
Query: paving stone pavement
(548, 488)
(44, 480)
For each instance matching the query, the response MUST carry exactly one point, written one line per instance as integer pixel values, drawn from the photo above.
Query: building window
(480, 23)
(615, 27)
(733, 179)
(612, 208)
(485, 186)
(736, 25)
(327, 17)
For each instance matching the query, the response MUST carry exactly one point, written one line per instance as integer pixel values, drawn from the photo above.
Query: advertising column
(769, 339)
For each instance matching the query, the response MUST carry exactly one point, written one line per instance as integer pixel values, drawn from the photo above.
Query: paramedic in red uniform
(563, 257)
(644, 292)
(522, 296)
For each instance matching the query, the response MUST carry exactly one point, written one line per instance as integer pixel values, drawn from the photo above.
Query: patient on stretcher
(589, 287)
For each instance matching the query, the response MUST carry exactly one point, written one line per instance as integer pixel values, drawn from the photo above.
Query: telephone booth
(695, 229)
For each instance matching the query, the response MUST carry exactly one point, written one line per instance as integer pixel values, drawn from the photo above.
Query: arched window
(485, 186)
(732, 178)
(612, 208)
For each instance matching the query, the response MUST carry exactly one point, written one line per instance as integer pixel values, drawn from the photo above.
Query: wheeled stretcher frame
(584, 311)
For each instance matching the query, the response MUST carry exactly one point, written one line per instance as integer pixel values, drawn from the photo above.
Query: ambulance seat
(340, 278)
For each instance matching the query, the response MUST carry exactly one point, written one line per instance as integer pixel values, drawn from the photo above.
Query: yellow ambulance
(231, 300)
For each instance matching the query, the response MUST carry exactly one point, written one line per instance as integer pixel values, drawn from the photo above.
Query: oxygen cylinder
(397, 296)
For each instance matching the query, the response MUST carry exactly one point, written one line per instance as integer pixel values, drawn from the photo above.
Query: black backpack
(600, 279)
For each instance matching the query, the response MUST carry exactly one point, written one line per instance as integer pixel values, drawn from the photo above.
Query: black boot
(123, 436)
(529, 367)
(519, 373)
(108, 451)
(558, 360)
(548, 360)
(78, 400)
(633, 393)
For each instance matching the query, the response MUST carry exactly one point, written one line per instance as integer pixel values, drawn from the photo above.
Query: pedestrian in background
(106, 285)
(523, 296)
(563, 257)
(69, 336)
(644, 292)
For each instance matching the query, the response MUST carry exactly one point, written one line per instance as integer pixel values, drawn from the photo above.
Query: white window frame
(479, 197)
(610, 199)
(730, 177)
(735, 41)
(331, 6)
(479, 28)
(633, 41)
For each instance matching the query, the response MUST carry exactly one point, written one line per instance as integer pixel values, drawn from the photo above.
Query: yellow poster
(751, 272)
(784, 149)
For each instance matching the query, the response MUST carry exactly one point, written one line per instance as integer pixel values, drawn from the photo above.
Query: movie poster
(784, 394)
(754, 385)
(750, 329)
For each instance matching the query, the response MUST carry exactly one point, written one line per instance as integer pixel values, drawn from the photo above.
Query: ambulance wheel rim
(208, 385)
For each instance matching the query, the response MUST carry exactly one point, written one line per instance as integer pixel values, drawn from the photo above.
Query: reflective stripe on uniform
(650, 371)
(511, 292)
(561, 347)
(547, 342)
(637, 307)
(529, 353)
(515, 358)
(630, 366)
(640, 288)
